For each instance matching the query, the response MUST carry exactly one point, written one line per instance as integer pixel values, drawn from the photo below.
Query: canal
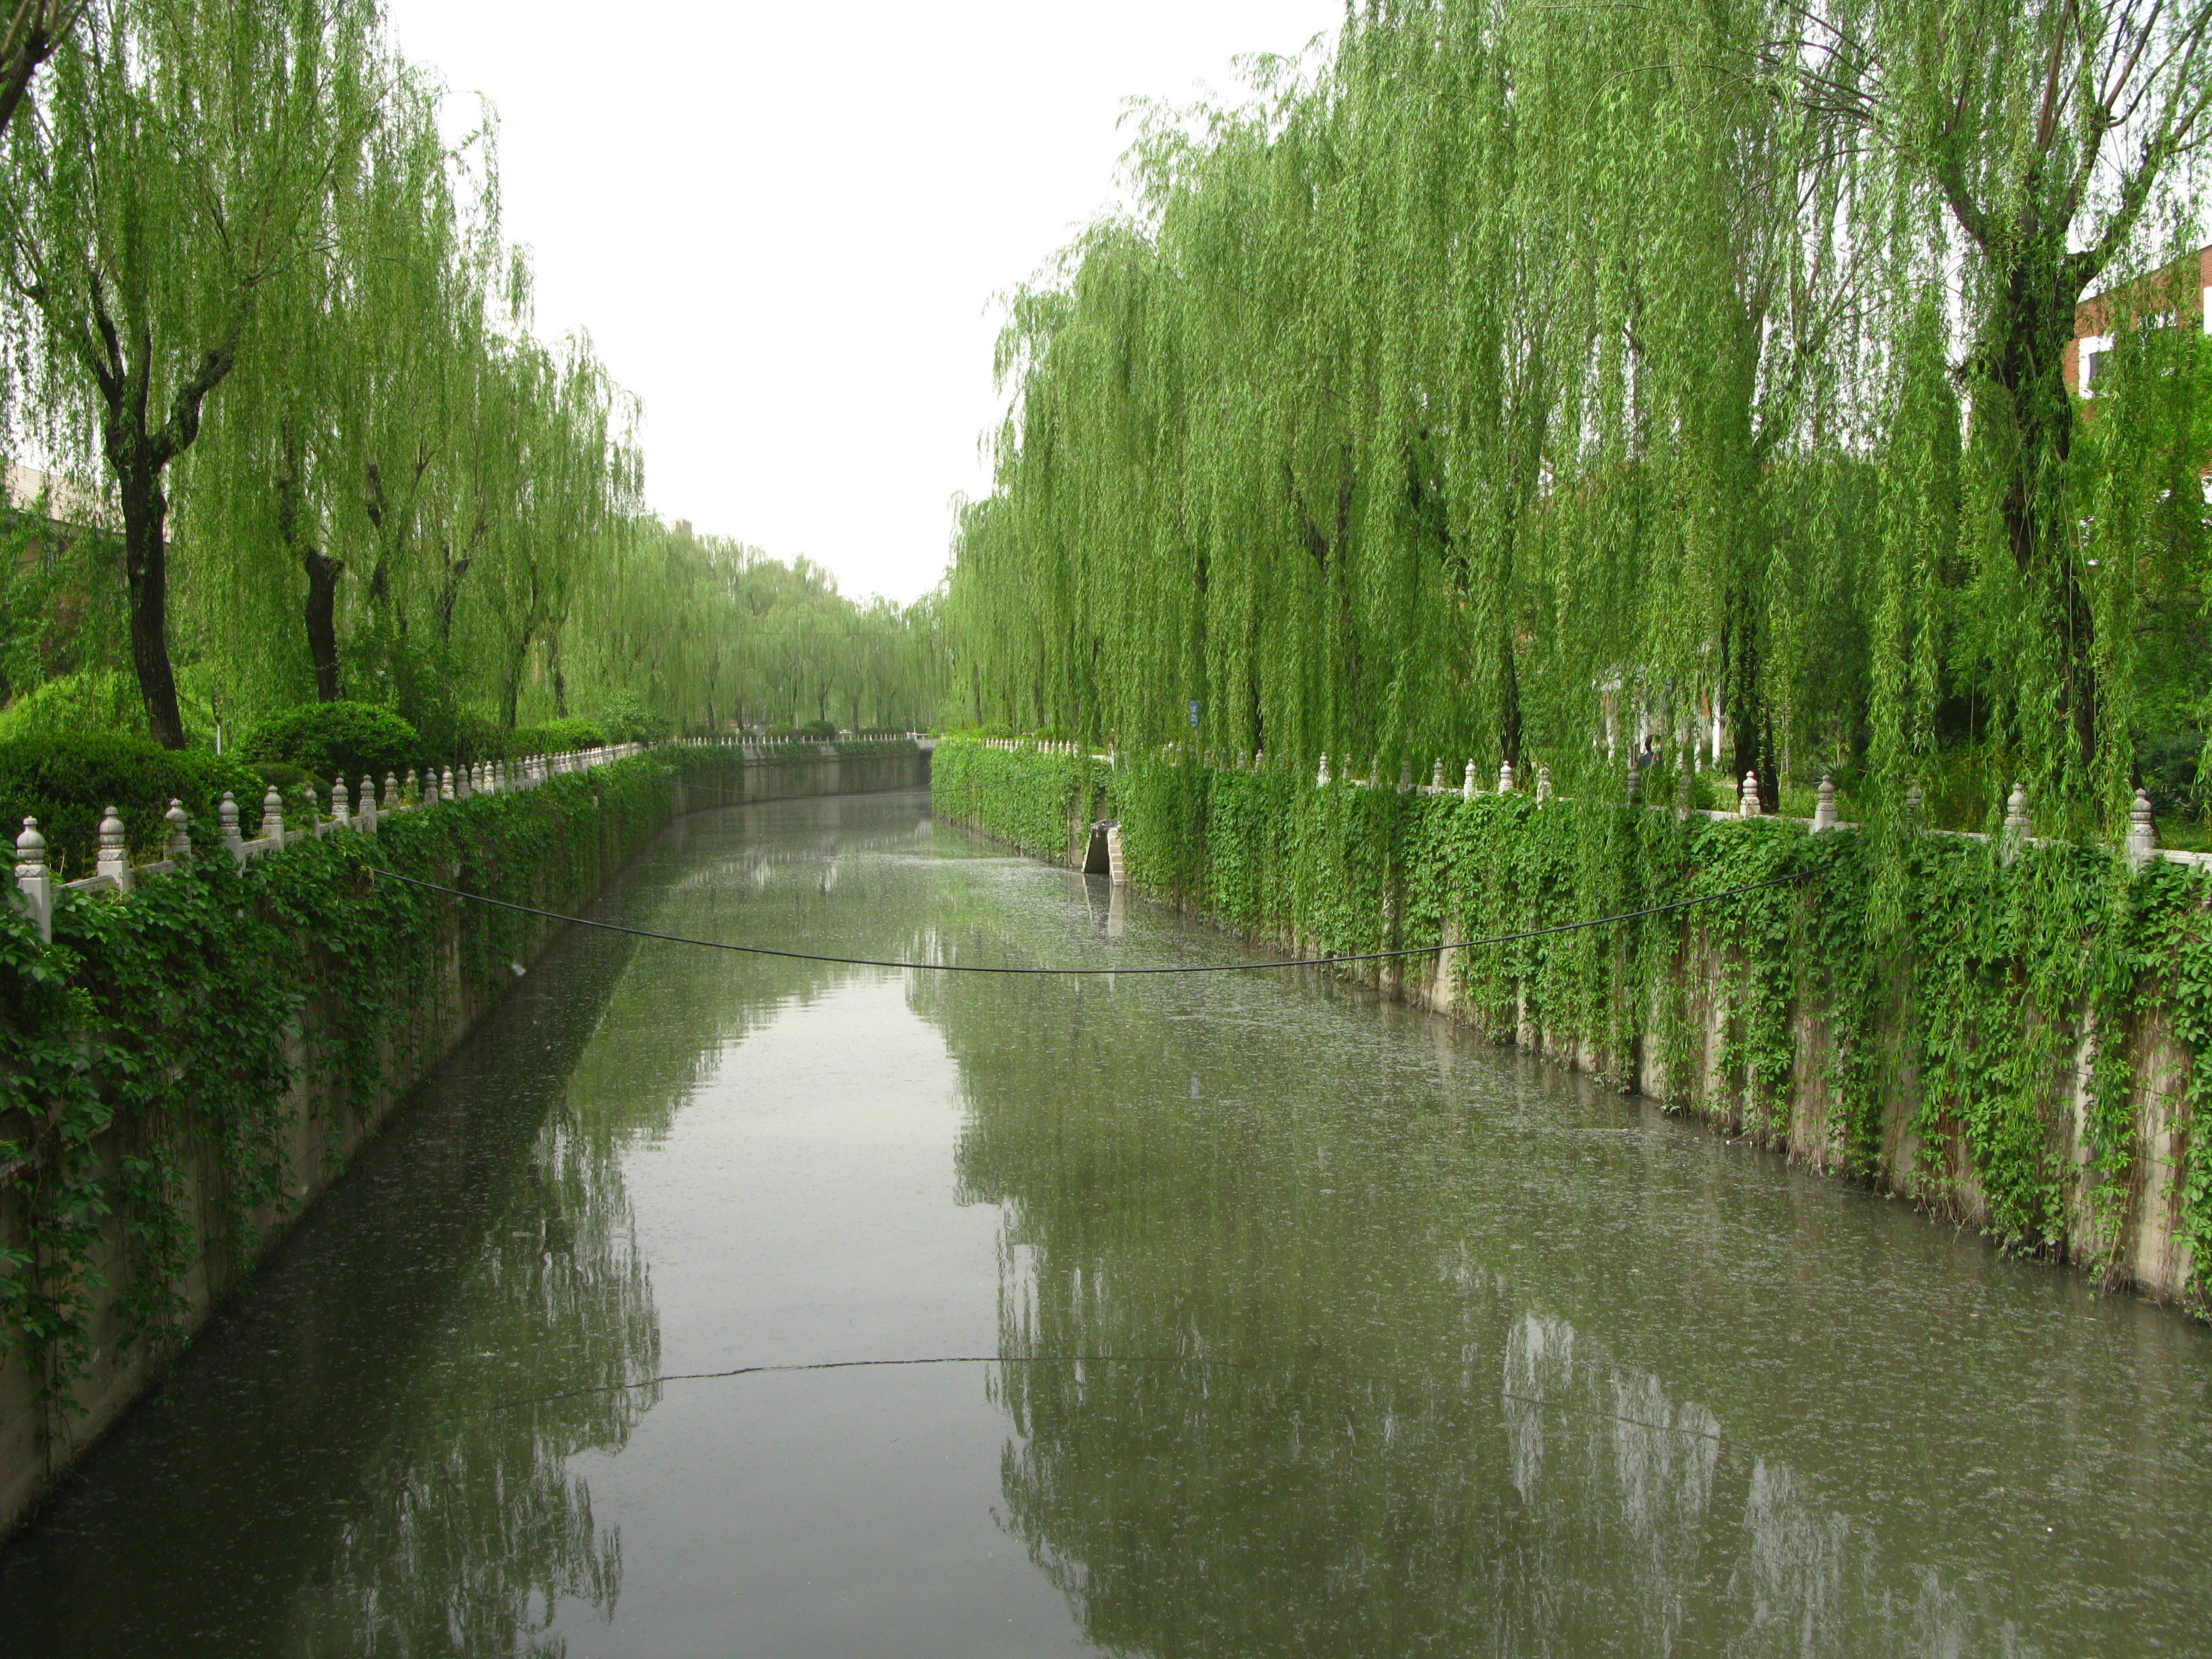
(1249, 1315)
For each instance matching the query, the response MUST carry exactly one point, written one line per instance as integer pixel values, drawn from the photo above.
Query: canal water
(708, 1304)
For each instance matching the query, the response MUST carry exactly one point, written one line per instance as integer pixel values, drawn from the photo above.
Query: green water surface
(1261, 1318)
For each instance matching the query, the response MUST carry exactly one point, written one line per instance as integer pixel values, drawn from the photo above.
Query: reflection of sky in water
(1320, 1328)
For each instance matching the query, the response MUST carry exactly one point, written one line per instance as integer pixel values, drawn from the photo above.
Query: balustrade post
(446, 784)
(1823, 807)
(341, 805)
(1747, 803)
(2016, 821)
(1404, 776)
(391, 793)
(272, 816)
(181, 840)
(1505, 778)
(114, 860)
(226, 818)
(365, 804)
(1322, 781)
(2142, 833)
(35, 881)
(1468, 789)
(1543, 783)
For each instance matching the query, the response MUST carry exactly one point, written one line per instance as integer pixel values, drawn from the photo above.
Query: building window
(2091, 351)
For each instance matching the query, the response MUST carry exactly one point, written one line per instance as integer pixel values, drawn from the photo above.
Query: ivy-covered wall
(186, 1068)
(2007, 1035)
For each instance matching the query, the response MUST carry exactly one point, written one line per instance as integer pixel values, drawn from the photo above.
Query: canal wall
(192, 1056)
(2005, 1030)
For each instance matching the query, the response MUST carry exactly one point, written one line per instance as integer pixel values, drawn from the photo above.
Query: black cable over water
(1193, 968)
(867, 1364)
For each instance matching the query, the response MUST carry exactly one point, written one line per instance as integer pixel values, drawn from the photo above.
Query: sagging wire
(1188, 968)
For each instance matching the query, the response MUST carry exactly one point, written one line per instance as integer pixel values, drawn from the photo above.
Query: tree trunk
(146, 568)
(2042, 294)
(323, 574)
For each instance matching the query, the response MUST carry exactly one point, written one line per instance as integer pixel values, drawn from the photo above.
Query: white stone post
(1543, 783)
(2015, 817)
(391, 793)
(1404, 774)
(1322, 781)
(2142, 834)
(446, 784)
(272, 816)
(1505, 777)
(1747, 803)
(1437, 777)
(114, 857)
(226, 818)
(1824, 810)
(35, 881)
(1468, 790)
(181, 840)
(365, 804)
(341, 805)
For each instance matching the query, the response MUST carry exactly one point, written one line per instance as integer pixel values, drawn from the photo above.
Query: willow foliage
(265, 317)
(1532, 382)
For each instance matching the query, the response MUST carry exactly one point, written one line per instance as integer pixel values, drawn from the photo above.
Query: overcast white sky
(784, 225)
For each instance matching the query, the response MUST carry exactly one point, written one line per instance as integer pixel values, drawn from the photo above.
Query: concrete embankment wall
(189, 1164)
(2010, 1033)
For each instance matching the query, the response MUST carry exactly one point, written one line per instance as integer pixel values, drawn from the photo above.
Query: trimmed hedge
(554, 737)
(68, 780)
(330, 740)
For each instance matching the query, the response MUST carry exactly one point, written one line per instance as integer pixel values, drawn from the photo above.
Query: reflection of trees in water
(474, 1529)
(480, 1528)
(1323, 1423)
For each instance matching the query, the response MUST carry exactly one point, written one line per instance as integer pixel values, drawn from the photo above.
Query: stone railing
(2140, 846)
(356, 810)
(806, 748)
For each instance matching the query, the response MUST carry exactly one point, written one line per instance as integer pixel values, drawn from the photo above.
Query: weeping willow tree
(177, 161)
(1537, 383)
(265, 309)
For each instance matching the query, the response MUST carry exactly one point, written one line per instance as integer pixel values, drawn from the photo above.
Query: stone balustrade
(356, 809)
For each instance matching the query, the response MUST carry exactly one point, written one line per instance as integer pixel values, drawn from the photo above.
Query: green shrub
(67, 780)
(554, 737)
(334, 739)
(103, 700)
(625, 719)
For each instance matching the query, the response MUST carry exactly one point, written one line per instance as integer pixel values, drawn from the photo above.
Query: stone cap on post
(180, 839)
(2142, 833)
(114, 857)
(273, 815)
(1824, 809)
(34, 881)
